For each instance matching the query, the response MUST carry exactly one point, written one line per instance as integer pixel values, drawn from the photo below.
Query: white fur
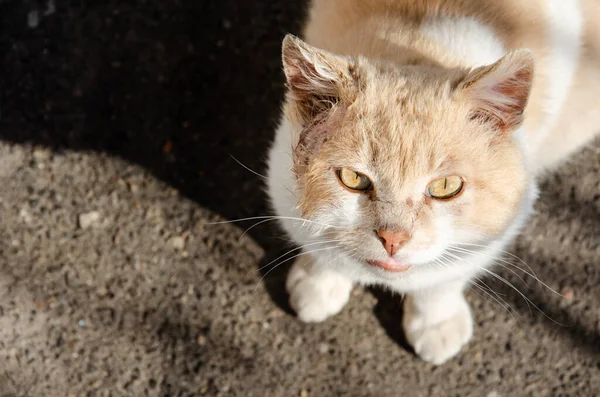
(280, 183)
(438, 323)
(465, 39)
(566, 28)
(316, 294)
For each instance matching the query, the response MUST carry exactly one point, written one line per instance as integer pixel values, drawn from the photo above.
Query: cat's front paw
(316, 294)
(435, 340)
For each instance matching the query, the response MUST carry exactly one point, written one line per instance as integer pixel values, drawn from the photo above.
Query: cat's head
(406, 163)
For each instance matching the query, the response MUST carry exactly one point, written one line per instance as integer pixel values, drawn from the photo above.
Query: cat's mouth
(389, 264)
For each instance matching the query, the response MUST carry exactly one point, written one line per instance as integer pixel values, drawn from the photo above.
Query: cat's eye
(354, 180)
(445, 188)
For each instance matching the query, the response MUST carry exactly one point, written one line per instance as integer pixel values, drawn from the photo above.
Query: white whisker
(509, 254)
(248, 168)
(273, 217)
(532, 274)
(296, 249)
(286, 260)
(253, 226)
(504, 305)
(488, 256)
(508, 283)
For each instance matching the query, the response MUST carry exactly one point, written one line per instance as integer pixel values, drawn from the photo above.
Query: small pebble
(23, 213)
(323, 348)
(303, 393)
(40, 154)
(33, 19)
(133, 188)
(81, 323)
(177, 242)
(89, 219)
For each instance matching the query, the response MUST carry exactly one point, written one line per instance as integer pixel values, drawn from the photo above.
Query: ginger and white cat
(412, 136)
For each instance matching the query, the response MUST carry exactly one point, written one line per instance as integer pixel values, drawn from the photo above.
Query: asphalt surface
(118, 124)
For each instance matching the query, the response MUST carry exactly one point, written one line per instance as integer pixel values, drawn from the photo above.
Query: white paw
(434, 340)
(316, 294)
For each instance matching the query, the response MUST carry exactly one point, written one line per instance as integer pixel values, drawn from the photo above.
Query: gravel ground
(117, 125)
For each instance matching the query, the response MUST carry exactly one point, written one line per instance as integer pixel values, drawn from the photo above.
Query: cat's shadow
(274, 268)
(389, 312)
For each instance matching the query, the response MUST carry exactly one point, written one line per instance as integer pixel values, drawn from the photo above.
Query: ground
(118, 122)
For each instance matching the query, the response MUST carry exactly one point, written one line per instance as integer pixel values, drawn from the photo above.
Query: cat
(411, 139)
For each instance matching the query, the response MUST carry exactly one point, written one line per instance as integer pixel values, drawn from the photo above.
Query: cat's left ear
(498, 93)
(316, 79)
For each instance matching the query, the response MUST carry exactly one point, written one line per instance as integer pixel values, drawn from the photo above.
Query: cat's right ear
(499, 92)
(317, 79)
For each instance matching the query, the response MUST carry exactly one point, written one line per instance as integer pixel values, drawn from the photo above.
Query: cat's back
(578, 119)
(563, 107)
(331, 22)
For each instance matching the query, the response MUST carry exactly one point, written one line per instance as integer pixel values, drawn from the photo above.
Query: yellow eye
(445, 188)
(353, 180)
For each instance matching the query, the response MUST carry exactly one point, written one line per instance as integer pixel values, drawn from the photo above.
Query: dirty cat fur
(405, 93)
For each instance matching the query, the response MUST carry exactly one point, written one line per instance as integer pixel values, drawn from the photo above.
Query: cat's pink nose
(392, 241)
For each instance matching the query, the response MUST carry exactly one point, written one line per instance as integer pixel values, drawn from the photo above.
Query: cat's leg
(437, 322)
(315, 291)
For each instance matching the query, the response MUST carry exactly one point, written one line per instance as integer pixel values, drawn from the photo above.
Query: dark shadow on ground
(389, 312)
(176, 87)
